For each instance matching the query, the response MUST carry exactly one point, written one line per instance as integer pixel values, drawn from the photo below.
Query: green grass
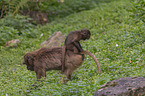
(110, 25)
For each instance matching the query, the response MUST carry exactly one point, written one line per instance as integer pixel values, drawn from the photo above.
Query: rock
(12, 43)
(54, 41)
(129, 86)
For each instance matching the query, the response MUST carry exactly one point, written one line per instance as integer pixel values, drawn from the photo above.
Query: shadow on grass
(36, 86)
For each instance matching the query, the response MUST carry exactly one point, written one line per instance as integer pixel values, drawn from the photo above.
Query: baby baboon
(72, 44)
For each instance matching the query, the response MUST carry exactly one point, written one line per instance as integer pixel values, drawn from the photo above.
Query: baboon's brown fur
(72, 43)
(47, 59)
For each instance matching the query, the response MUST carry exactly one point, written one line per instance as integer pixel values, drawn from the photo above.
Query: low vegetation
(55, 8)
(14, 26)
(117, 40)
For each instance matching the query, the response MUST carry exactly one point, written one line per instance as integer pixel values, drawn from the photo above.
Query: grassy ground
(117, 40)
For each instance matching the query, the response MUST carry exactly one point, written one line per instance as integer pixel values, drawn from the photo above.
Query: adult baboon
(50, 59)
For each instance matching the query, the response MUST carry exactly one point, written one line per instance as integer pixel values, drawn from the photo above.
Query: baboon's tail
(93, 56)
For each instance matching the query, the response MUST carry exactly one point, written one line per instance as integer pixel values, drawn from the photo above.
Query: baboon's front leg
(40, 73)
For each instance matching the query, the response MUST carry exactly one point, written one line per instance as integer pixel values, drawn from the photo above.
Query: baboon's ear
(84, 32)
(29, 58)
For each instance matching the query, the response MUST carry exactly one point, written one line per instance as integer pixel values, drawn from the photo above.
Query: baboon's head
(85, 34)
(29, 60)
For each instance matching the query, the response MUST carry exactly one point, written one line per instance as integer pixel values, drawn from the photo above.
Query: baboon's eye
(85, 33)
